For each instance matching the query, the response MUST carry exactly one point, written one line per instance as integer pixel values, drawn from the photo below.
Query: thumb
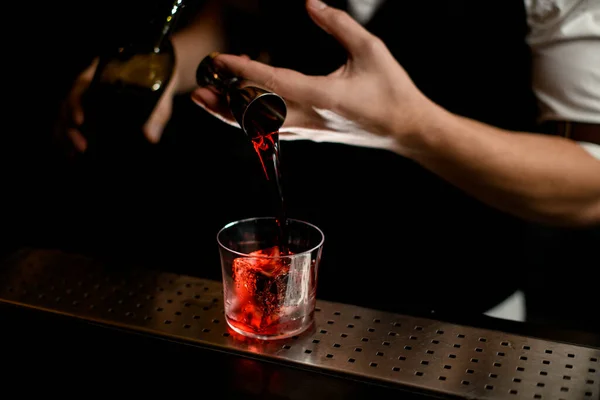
(154, 127)
(352, 35)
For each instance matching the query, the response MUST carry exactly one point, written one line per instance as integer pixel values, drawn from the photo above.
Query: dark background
(51, 200)
(164, 212)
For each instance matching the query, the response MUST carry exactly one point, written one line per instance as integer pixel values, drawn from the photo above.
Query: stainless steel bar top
(391, 349)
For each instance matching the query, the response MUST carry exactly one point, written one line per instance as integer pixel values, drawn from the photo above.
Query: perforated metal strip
(422, 353)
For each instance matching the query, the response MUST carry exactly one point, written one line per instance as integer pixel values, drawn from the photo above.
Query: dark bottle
(126, 88)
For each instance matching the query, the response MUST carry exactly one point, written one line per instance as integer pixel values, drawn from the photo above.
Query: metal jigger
(258, 111)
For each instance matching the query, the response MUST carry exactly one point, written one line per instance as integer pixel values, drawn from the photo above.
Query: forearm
(540, 178)
(202, 36)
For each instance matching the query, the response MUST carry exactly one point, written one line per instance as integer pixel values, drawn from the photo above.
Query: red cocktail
(269, 295)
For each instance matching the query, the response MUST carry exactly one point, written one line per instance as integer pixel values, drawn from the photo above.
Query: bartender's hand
(362, 103)
(71, 115)
(371, 101)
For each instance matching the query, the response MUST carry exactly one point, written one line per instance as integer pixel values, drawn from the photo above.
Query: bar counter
(56, 304)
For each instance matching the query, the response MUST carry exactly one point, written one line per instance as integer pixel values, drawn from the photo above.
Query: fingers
(75, 97)
(70, 116)
(74, 102)
(214, 105)
(77, 139)
(67, 138)
(89, 72)
(287, 83)
(206, 98)
(353, 36)
(155, 126)
(158, 120)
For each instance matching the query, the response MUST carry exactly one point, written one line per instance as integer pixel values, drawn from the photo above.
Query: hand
(369, 101)
(71, 115)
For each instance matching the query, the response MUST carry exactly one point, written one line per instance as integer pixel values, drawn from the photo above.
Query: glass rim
(290, 256)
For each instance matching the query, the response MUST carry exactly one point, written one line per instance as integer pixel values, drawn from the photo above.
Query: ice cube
(260, 287)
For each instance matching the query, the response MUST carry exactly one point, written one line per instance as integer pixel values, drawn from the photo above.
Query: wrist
(421, 132)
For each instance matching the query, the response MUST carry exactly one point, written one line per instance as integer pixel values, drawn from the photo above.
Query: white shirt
(564, 38)
(565, 41)
(363, 10)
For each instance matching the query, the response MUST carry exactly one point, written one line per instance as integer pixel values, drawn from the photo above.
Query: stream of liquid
(268, 151)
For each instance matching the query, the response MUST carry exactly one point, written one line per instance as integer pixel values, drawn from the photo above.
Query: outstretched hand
(369, 101)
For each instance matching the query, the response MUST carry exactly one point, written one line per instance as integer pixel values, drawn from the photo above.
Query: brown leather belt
(578, 131)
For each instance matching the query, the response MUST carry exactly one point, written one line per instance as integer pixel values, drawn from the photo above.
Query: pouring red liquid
(272, 291)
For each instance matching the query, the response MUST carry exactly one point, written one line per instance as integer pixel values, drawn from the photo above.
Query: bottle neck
(168, 24)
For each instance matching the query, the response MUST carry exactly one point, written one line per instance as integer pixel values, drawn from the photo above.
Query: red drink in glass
(268, 294)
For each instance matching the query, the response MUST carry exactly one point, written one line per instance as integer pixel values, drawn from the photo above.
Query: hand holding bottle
(72, 116)
(126, 93)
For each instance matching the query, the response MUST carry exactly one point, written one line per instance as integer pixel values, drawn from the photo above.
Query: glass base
(285, 335)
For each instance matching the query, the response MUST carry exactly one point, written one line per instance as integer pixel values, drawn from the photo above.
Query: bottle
(126, 87)
(257, 111)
